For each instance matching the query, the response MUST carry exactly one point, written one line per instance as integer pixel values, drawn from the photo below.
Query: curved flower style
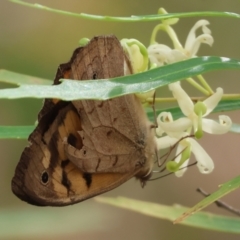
(160, 54)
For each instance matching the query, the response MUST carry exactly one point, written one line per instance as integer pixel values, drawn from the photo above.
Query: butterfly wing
(44, 175)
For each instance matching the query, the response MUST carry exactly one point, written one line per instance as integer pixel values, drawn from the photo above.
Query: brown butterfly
(86, 147)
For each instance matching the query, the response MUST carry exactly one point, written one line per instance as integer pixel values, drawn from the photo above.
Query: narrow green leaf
(22, 132)
(98, 89)
(203, 220)
(16, 132)
(223, 106)
(144, 18)
(223, 190)
(228, 105)
(20, 79)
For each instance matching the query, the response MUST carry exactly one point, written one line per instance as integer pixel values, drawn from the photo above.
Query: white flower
(180, 129)
(194, 122)
(195, 113)
(160, 54)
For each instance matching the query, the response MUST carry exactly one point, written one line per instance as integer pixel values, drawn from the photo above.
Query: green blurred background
(35, 42)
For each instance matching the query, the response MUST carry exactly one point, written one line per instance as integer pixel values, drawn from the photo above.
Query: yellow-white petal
(192, 33)
(158, 53)
(165, 142)
(175, 56)
(213, 127)
(184, 101)
(204, 161)
(212, 101)
(203, 38)
(166, 124)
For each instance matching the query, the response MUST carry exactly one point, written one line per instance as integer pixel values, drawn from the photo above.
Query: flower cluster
(170, 132)
(161, 54)
(193, 122)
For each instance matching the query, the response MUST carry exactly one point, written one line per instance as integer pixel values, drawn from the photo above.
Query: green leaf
(144, 18)
(223, 106)
(204, 220)
(98, 89)
(16, 132)
(223, 190)
(20, 79)
(22, 132)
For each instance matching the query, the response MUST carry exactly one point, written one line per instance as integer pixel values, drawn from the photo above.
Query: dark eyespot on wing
(72, 140)
(88, 179)
(44, 178)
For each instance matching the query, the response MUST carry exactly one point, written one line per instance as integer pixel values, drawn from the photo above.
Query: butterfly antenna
(167, 174)
(166, 155)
